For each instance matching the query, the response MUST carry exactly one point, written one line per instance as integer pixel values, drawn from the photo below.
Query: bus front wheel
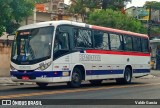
(127, 77)
(76, 78)
(41, 84)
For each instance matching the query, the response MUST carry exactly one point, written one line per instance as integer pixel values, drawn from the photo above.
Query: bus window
(136, 44)
(101, 40)
(115, 41)
(82, 38)
(127, 43)
(145, 46)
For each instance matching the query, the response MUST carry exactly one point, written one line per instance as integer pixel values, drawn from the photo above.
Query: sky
(136, 3)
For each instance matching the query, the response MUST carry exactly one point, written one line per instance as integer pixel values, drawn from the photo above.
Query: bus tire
(42, 84)
(95, 82)
(76, 78)
(127, 77)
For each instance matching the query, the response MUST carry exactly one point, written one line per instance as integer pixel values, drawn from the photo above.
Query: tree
(114, 4)
(115, 19)
(152, 4)
(13, 12)
(84, 7)
(156, 6)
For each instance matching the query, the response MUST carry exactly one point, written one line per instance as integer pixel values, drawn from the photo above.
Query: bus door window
(61, 41)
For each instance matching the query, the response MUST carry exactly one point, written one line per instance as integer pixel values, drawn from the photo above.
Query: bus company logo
(6, 102)
(21, 102)
(86, 57)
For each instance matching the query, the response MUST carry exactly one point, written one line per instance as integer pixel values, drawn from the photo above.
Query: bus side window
(127, 43)
(137, 44)
(82, 38)
(145, 45)
(101, 40)
(115, 42)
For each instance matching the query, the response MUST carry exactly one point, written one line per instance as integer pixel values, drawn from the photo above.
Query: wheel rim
(75, 77)
(127, 76)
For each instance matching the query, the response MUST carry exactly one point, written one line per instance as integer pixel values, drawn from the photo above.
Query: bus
(72, 52)
(155, 53)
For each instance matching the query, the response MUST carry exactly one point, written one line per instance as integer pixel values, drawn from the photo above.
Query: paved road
(141, 88)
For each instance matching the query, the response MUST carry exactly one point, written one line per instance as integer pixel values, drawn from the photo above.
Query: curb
(148, 76)
(6, 81)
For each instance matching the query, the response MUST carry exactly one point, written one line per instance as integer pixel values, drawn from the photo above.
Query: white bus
(72, 52)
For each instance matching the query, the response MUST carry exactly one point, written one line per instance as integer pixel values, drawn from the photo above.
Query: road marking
(72, 91)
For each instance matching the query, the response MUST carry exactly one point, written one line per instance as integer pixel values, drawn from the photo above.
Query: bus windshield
(32, 45)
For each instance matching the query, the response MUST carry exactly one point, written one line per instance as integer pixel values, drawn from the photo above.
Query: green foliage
(114, 4)
(152, 4)
(115, 19)
(155, 30)
(83, 7)
(13, 12)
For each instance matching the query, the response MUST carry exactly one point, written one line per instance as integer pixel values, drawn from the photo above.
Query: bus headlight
(12, 68)
(45, 66)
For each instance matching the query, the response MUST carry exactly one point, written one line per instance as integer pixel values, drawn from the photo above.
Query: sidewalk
(7, 80)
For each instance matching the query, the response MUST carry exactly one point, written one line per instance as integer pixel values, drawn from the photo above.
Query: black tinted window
(127, 43)
(145, 45)
(82, 38)
(116, 42)
(136, 44)
(101, 40)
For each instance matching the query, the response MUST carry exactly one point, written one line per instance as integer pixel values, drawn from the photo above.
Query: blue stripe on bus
(38, 74)
(103, 72)
(141, 70)
(60, 73)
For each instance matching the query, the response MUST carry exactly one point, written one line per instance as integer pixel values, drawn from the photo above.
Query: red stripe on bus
(117, 52)
(118, 31)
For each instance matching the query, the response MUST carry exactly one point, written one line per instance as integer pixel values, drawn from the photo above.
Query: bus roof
(56, 23)
(50, 23)
(119, 31)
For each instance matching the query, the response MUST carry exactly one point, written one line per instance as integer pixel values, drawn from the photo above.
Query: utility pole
(149, 23)
(34, 15)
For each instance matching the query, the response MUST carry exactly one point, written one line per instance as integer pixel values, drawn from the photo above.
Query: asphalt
(8, 82)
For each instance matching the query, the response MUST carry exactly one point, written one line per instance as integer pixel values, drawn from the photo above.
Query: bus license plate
(25, 77)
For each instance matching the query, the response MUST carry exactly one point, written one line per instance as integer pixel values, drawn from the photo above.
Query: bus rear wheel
(41, 84)
(127, 77)
(76, 78)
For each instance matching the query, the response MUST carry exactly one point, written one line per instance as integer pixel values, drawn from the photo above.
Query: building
(51, 10)
(139, 13)
(142, 13)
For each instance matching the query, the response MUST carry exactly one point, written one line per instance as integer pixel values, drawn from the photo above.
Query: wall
(4, 60)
